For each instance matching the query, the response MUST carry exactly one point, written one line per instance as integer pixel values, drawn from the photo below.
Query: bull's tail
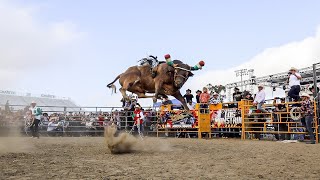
(112, 86)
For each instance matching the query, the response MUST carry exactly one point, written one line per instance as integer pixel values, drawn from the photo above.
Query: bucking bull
(169, 79)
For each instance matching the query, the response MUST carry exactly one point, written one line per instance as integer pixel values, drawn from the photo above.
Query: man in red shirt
(205, 96)
(204, 99)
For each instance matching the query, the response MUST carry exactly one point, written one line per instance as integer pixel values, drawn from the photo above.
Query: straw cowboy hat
(260, 85)
(305, 94)
(293, 69)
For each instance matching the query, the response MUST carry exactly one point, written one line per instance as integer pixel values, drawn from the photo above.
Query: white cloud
(26, 44)
(272, 60)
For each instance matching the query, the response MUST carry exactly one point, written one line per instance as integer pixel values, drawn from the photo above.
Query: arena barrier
(83, 122)
(239, 119)
(286, 124)
(223, 120)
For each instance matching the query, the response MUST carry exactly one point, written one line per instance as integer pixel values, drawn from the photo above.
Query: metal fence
(87, 121)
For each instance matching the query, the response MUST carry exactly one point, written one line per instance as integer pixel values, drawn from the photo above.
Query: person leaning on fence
(215, 99)
(36, 115)
(204, 99)
(294, 84)
(259, 99)
(198, 96)
(307, 109)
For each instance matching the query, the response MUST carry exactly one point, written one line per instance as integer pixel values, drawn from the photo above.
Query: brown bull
(169, 80)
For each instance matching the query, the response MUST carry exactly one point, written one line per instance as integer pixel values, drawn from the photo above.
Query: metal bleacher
(47, 104)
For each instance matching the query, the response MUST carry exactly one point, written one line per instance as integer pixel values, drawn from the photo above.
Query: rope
(183, 69)
(295, 110)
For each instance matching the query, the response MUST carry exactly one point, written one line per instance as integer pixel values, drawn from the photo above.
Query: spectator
(215, 99)
(7, 107)
(294, 84)
(204, 98)
(236, 95)
(190, 105)
(259, 99)
(188, 96)
(198, 96)
(53, 126)
(307, 108)
(249, 97)
(166, 101)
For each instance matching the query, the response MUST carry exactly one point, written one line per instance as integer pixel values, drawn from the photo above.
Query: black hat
(236, 88)
(199, 91)
(188, 90)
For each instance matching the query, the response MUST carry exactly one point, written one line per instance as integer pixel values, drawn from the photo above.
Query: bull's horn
(168, 59)
(198, 66)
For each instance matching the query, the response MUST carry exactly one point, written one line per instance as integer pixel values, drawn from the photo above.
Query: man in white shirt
(214, 99)
(36, 115)
(190, 105)
(294, 84)
(259, 99)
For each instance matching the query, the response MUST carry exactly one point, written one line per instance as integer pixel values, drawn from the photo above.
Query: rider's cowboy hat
(305, 94)
(293, 69)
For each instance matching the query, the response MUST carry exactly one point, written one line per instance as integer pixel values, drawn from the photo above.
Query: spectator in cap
(259, 99)
(294, 84)
(307, 108)
(188, 96)
(198, 96)
(215, 99)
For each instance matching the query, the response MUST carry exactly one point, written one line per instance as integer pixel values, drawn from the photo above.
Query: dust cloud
(127, 143)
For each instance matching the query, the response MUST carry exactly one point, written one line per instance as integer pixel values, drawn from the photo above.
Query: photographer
(294, 84)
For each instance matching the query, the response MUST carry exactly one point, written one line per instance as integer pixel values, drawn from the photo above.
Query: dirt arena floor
(157, 158)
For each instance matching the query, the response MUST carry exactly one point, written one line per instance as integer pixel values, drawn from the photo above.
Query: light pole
(243, 72)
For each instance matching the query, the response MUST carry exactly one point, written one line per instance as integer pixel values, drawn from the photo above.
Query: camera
(289, 73)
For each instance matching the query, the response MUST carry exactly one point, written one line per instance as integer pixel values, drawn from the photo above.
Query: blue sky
(115, 34)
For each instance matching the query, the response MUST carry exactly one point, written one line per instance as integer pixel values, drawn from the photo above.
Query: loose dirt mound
(126, 143)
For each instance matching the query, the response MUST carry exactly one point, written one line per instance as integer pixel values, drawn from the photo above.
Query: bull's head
(182, 72)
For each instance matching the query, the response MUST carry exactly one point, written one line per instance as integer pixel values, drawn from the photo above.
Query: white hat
(305, 94)
(293, 68)
(33, 102)
(215, 94)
